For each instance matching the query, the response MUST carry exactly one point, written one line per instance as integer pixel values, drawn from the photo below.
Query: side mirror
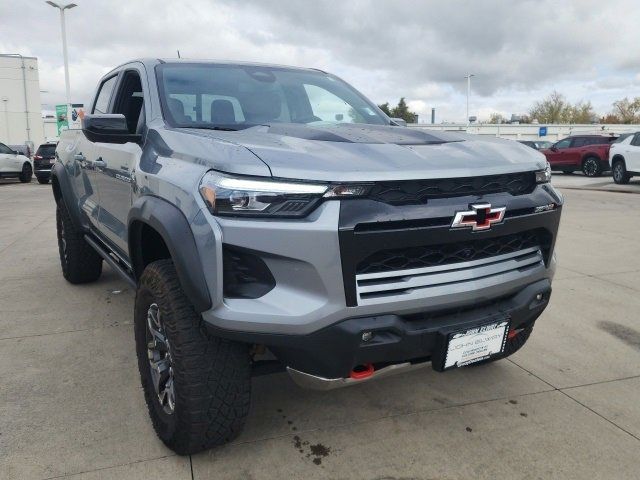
(108, 128)
(553, 148)
(15, 152)
(400, 122)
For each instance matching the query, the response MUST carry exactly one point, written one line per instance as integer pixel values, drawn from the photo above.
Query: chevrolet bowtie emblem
(480, 217)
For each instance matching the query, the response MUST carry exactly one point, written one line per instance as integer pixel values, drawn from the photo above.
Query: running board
(110, 260)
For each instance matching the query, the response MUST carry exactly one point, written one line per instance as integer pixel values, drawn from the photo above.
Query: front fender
(166, 219)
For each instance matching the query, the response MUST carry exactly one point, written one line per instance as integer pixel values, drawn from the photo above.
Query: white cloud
(519, 51)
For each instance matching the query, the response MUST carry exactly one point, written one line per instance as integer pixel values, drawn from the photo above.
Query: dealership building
(21, 108)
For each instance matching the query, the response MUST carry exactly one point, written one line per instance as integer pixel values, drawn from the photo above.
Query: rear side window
(5, 149)
(599, 141)
(46, 150)
(580, 142)
(102, 101)
(636, 140)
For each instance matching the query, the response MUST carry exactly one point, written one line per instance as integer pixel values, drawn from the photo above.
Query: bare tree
(556, 109)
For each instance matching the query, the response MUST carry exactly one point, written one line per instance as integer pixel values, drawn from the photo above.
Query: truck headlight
(246, 196)
(544, 176)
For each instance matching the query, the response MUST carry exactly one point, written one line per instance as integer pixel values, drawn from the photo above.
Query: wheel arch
(590, 155)
(62, 191)
(157, 229)
(618, 158)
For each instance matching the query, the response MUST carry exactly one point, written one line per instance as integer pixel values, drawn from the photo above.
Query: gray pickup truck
(272, 217)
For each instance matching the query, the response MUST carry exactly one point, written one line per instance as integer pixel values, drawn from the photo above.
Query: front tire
(197, 387)
(43, 180)
(26, 173)
(79, 261)
(591, 167)
(620, 175)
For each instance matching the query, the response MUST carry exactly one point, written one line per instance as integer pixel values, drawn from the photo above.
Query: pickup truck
(589, 153)
(272, 218)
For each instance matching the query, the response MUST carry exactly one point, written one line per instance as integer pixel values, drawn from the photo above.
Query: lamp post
(468, 77)
(62, 8)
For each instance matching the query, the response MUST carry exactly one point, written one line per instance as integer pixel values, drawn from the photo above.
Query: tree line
(555, 108)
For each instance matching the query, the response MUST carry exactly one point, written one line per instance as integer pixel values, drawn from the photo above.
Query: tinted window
(5, 149)
(580, 142)
(636, 140)
(102, 102)
(564, 143)
(239, 96)
(599, 140)
(46, 150)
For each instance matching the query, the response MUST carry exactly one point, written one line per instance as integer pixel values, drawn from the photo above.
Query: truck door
(116, 162)
(80, 152)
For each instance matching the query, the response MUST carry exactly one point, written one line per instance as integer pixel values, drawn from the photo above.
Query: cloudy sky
(518, 50)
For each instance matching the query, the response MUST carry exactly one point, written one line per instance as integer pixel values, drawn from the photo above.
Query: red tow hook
(362, 371)
(512, 333)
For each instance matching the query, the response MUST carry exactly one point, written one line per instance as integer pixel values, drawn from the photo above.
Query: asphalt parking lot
(565, 406)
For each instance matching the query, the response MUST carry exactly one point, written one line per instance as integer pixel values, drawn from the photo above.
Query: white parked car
(14, 165)
(624, 158)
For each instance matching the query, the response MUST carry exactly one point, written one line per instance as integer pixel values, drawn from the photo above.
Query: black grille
(448, 253)
(419, 191)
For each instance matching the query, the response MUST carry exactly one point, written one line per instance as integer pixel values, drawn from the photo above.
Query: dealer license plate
(476, 344)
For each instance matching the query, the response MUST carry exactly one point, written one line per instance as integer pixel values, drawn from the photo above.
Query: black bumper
(334, 351)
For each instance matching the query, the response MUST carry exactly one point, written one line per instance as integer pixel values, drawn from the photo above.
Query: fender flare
(166, 219)
(62, 190)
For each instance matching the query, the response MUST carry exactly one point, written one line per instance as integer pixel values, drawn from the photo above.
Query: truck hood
(356, 152)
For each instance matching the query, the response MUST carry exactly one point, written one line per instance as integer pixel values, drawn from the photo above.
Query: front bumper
(314, 261)
(329, 355)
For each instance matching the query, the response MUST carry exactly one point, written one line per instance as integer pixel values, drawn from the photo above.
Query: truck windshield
(233, 97)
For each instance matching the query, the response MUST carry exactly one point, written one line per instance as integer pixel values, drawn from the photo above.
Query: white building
(20, 109)
(549, 132)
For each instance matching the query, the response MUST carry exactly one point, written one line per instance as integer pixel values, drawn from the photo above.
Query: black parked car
(44, 158)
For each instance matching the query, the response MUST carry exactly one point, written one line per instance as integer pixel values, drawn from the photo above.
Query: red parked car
(589, 153)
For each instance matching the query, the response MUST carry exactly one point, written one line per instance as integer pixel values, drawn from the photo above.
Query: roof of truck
(155, 61)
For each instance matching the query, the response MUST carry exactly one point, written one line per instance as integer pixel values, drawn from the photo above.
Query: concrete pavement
(565, 406)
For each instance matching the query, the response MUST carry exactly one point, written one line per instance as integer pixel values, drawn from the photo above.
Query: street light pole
(63, 27)
(468, 77)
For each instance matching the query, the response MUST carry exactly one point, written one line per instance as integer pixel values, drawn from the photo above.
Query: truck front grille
(443, 269)
(411, 192)
(459, 275)
(447, 253)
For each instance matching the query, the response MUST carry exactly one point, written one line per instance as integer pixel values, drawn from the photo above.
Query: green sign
(62, 121)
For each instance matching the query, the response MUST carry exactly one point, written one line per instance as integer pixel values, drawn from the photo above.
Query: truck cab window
(129, 100)
(102, 100)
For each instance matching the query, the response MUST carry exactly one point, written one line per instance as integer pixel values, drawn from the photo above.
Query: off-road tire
(79, 261)
(211, 375)
(43, 180)
(591, 167)
(26, 173)
(619, 173)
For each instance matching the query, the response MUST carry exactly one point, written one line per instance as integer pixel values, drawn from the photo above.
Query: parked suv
(262, 210)
(43, 160)
(589, 153)
(624, 158)
(14, 165)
